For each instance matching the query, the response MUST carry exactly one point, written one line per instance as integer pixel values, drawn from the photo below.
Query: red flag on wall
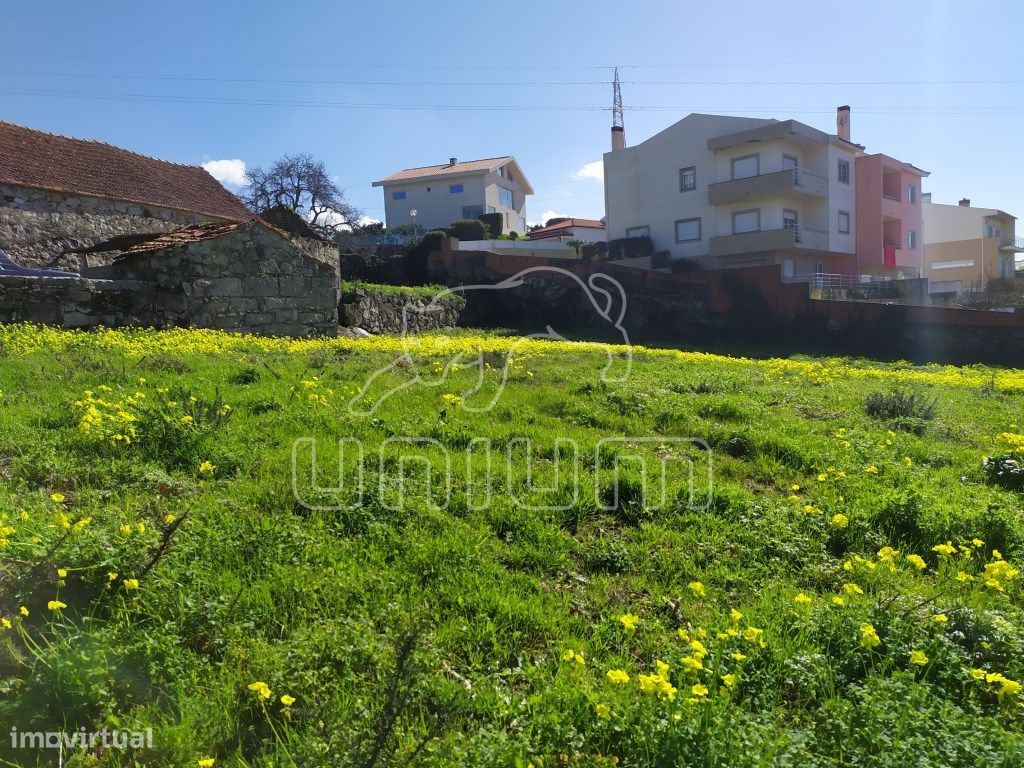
(889, 256)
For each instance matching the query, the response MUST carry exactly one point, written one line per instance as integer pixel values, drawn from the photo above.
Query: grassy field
(844, 592)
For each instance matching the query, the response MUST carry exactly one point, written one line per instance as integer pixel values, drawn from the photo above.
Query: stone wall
(251, 280)
(382, 312)
(80, 303)
(37, 226)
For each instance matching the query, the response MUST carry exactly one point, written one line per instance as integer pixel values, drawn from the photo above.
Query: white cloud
(366, 220)
(549, 214)
(227, 171)
(590, 172)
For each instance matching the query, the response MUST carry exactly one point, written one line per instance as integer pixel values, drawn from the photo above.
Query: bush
(630, 248)
(900, 405)
(595, 251)
(468, 229)
(680, 266)
(1005, 471)
(494, 222)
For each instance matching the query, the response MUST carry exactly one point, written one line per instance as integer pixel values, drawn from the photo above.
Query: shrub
(469, 229)
(680, 266)
(595, 251)
(900, 405)
(1005, 471)
(630, 248)
(494, 222)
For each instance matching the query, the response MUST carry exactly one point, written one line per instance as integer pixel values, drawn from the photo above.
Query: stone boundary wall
(37, 226)
(382, 312)
(79, 303)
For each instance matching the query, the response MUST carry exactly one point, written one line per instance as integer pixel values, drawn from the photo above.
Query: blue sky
(373, 87)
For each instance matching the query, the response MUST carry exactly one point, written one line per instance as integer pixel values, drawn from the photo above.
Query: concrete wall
(37, 226)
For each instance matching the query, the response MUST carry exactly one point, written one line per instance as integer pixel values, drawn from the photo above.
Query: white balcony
(791, 181)
(808, 238)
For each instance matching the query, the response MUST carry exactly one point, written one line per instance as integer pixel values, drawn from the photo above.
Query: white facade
(587, 230)
(735, 191)
(441, 194)
(966, 247)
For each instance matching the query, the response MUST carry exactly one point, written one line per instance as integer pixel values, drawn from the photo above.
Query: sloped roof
(48, 161)
(554, 229)
(464, 168)
(182, 236)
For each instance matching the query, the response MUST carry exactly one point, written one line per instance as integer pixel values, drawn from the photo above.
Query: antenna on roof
(618, 129)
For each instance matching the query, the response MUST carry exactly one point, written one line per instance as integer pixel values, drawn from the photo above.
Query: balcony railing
(789, 181)
(811, 238)
(1012, 243)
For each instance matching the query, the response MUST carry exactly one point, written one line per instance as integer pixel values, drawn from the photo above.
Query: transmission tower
(618, 130)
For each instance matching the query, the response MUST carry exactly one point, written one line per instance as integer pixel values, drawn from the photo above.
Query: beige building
(966, 247)
(440, 194)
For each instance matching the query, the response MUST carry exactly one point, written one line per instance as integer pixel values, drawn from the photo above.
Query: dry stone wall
(382, 312)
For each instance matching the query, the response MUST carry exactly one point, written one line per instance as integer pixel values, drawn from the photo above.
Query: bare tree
(301, 183)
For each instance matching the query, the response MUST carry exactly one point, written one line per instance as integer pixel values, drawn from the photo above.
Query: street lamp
(413, 214)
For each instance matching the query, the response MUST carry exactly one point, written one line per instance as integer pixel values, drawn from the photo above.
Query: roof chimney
(843, 122)
(452, 160)
(966, 202)
(618, 138)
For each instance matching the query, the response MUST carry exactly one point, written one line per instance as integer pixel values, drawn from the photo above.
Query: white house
(440, 194)
(738, 191)
(587, 230)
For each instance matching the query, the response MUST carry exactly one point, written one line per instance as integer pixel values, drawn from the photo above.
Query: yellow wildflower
(629, 621)
(62, 573)
(917, 561)
(869, 637)
(699, 690)
(206, 468)
(23, 611)
(56, 605)
(131, 584)
(5, 623)
(963, 577)
(261, 688)
(729, 680)
(692, 663)
(840, 521)
(206, 762)
(918, 657)
(837, 600)
(287, 700)
(737, 656)
(699, 651)
(111, 576)
(617, 676)
(603, 711)
(978, 674)
(697, 588)
(753, 635)
(940, 618)
(57, 498)
(735, 616)
(944, 549)
(802, 599)
(978, 543)
(871, 470)
(852, 589)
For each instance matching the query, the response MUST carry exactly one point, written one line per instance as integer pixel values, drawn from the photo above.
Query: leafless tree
(301, 183)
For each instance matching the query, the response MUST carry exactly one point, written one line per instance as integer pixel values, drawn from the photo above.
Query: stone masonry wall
(37, 226)
(382, 312)
(250, 280)
(79, 303)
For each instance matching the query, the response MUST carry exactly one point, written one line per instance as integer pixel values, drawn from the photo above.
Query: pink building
(889, 225)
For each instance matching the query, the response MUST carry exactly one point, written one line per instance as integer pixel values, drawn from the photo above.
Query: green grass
(422, 292)
(410, 632)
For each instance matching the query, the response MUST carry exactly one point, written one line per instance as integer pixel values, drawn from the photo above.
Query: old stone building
(59, 193)
(240, 276)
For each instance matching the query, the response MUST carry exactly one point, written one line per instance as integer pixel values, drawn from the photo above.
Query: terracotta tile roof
(183, 236)
(41, 160)
(445, 169)
(556, 229)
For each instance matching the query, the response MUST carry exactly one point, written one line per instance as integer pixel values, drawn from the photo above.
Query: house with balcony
(889, 228)
(436, 195)
(966, 247)
(734, 192)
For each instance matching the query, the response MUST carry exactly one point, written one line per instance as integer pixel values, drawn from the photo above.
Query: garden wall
(79, 303)
(382, 311)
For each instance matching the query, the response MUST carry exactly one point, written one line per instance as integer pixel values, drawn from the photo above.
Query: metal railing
(1016, 242)
(772, 182)
(847, 287)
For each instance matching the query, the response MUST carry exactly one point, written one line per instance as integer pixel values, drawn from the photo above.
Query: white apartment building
(736, 191)
(440, 194)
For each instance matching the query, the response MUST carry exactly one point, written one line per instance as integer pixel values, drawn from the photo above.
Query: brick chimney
(966, 202)
(843, 122)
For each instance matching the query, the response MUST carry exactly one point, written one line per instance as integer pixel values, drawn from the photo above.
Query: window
(501, 171)
(911, 193)
(687, 230)
(455, 189)
(505, 197)
(687, 179)
(491, 209)
(746, 221)
(400, 195)
(844, 222)
(911, 239)
(788, 162)
(790, 219)
(508, 175)
(844, 171)
(472, 211)
(522, 224)
(644, 231)
(993, 230)
(748, 165)
(819, 268)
